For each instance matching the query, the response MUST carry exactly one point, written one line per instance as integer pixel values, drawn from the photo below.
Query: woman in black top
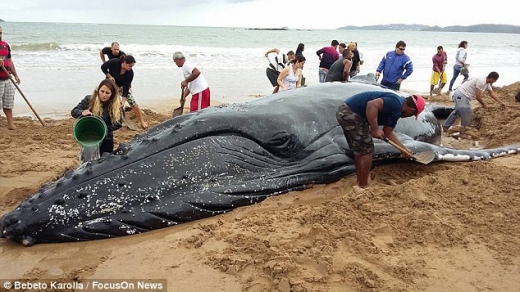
(104, 103)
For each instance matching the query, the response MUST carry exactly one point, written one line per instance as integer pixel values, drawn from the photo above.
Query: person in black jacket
(111, 52)
(104, 103)
(121, 72)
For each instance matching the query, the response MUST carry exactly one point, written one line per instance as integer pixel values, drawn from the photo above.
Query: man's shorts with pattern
(6, 94)
(129, 98)
(356, 130)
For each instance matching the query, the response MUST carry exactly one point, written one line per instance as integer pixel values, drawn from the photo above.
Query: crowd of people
(374, 114)
(363, 116)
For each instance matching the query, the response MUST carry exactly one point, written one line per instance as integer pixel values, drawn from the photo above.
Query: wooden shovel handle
(395, 145)
(183, 98)
(23, 95)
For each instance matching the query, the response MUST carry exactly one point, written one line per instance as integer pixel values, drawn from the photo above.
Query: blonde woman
(291, 76)
(104, 103)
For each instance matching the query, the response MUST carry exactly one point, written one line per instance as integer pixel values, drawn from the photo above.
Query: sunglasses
(402, 49)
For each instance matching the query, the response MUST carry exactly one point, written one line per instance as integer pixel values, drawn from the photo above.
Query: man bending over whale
(362, 114)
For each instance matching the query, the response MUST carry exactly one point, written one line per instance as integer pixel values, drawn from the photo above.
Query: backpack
(279, 62)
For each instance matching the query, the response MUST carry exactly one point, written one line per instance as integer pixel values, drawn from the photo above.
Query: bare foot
(144, 124)
(11, 127)
(358, 190)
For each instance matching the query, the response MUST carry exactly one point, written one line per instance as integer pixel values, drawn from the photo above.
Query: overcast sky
(304, 14)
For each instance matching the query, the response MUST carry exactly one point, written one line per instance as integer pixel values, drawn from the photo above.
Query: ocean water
(59, 63)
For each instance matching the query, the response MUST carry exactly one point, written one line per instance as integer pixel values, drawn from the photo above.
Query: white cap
(178, 55)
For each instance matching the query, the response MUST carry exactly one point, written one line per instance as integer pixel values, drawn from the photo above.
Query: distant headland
(491, 28)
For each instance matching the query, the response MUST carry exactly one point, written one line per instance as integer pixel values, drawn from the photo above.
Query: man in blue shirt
(362, 114)
(396, 66)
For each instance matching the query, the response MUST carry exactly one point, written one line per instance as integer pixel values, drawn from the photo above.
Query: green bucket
(89, 131)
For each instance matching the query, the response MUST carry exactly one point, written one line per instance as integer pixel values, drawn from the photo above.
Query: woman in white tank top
(291, 76)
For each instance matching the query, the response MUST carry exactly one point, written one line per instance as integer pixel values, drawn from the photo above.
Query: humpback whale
(215, 160)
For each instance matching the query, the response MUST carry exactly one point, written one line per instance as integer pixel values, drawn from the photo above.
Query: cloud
(240, 1)
(329, 14)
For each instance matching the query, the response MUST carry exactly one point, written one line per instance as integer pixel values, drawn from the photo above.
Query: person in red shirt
(327, 55)
(439, 75)
(7, 88)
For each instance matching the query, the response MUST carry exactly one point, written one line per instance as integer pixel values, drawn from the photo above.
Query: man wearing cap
(469, 90)
(360, 117)
(193, 82)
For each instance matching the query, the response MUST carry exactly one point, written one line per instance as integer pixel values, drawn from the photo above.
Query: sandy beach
(437, 227)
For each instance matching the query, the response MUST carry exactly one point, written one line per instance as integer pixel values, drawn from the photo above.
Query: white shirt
(460, 56)
(197, 85)
(292, 78)
(277, 61)
(470, 87)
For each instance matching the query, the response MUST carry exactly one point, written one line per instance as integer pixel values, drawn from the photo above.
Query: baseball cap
(420, 103)
(178, 55)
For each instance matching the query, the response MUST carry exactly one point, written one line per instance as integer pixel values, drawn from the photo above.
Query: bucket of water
(89, 131)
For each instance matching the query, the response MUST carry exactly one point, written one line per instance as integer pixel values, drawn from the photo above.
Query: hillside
(491, 28)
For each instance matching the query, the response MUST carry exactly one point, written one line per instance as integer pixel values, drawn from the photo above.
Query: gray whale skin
(209, 162)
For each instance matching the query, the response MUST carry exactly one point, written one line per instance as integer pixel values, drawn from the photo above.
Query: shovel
(127, 122)
(23, 95)
(422, 157)
(178, 111)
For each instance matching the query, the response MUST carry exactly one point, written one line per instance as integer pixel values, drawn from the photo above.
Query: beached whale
(209, 162)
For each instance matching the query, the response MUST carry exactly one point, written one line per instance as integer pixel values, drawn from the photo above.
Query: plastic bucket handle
(89, 131)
